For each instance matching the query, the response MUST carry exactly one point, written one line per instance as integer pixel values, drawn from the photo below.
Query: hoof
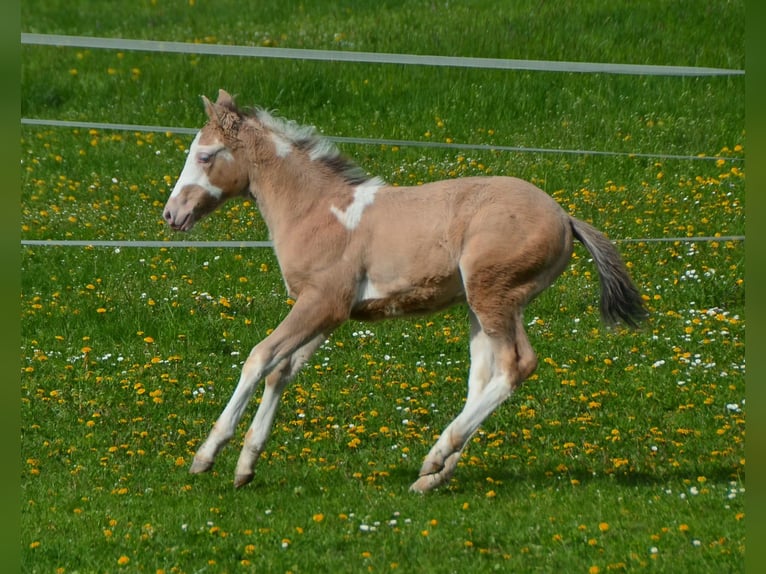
(241, 480)
(199, 466)
(425, 483)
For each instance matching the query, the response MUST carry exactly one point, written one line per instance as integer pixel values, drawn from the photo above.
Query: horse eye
(204, 157)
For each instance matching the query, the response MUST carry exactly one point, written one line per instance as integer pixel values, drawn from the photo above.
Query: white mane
(318, 147)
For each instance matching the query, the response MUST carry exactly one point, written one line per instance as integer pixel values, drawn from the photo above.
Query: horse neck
(289, 190)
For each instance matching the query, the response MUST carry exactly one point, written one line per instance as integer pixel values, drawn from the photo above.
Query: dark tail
(620, 300)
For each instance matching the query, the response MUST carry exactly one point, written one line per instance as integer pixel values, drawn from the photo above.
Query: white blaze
(193, 172)
(364, 196)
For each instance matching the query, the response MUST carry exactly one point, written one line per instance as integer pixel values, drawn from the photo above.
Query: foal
(349, 246)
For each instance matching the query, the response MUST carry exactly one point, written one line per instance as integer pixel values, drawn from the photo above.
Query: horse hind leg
(500, 361)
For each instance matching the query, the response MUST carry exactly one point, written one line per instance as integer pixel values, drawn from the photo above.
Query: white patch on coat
(364, 196)
(282, 145)
(193, 172)
(367, 291)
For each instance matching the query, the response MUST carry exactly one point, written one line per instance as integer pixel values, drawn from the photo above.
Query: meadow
(623, 452)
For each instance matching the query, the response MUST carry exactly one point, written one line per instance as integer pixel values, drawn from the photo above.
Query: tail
(620, 300)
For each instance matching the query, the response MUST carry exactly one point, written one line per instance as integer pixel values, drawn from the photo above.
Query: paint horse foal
(350, 246)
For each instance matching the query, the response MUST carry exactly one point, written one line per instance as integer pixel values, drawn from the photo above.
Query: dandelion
(123, 560)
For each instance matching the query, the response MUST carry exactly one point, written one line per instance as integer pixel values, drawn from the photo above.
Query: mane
(319, 148)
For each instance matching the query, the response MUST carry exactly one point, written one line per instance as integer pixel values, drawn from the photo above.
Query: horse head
(216, 168)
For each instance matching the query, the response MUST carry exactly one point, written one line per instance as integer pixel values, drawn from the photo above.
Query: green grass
(624, 451)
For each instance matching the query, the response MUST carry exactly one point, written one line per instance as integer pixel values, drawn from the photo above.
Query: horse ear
(225, 100)
(209, 109)
(216, 111)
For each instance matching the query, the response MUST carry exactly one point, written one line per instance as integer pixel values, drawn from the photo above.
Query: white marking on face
(282, 145)
(193, 172)
(364, 195)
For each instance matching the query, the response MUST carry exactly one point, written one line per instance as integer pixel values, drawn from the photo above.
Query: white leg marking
(278, 356)
(442, 459)
(482, 360)
(489, 384)
(223, 429)
(364, 196)
(260, 429)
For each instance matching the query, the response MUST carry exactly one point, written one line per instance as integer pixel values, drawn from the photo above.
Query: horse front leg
(292, 342)
(223, 430)
(260, 429)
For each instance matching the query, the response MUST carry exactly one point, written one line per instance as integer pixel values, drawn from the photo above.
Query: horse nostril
(167, 215)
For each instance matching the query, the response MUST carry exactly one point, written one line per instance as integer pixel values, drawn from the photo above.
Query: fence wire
(370, 57)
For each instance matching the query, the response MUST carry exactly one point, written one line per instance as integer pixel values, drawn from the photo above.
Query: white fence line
(369, 57)
(388, 142)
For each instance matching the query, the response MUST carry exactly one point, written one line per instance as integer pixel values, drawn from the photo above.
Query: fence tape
(387, 142)
(369, 57)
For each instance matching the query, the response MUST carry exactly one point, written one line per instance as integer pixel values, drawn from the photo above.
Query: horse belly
(378, 301)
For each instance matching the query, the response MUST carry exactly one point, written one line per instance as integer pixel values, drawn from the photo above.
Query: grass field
(623, 452)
